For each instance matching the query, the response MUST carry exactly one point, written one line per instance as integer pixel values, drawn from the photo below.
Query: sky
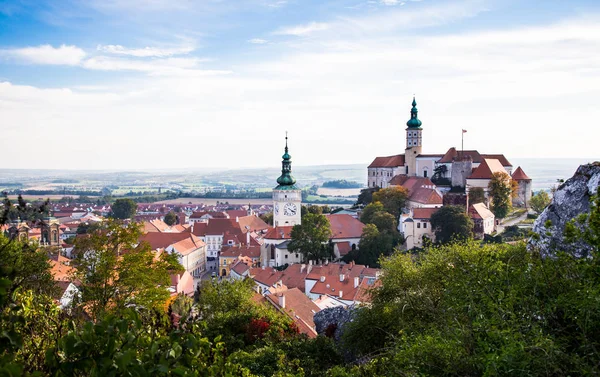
(159, 84)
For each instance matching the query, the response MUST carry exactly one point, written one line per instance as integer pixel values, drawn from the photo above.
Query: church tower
(414, 140)
(287, 198)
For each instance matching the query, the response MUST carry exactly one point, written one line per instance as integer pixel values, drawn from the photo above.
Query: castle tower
(287, 198)
(414, 141)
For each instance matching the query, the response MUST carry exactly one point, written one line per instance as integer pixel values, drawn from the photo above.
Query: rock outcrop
(571, 199)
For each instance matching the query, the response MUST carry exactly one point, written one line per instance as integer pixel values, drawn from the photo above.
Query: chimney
(341, 277)
(356, 282)
(302, 266)
(237, 219)
(248, 237)
(341, 294)
(310, 262)
(322, 279)
(281, 300)
(309, 269)
(263, 267)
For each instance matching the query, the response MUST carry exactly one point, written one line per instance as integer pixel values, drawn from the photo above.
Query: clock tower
(287, 198)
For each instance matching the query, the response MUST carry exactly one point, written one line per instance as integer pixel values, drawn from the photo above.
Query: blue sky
(143, 84)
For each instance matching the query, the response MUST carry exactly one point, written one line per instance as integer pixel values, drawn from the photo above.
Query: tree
(366, 196)
(539, 201)
(267, 218)
(392, 198)
(439, 171)
(369, 211)
(501, 191)
(310, 237)
(384, 222)
(373, 244)
(450, 223)
(476, 195)
(123, 209)
(170, 218)
(115, 271)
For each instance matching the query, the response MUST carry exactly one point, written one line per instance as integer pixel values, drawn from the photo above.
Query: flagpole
(462, 142)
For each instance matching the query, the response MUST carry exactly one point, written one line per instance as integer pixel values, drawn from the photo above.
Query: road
(513, 221)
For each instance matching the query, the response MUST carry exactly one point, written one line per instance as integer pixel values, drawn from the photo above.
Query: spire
(414, 121)
(286, 180)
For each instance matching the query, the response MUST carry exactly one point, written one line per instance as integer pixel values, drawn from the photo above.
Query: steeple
(286, 180)
(414, 121)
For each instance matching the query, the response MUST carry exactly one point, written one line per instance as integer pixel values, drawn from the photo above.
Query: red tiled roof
(519, 175)
(240, 267)
(499, 157)
(279, 233)
(214, 215)
(216, 227)
(253, 223)
(480, 211)
(243, 251)
(387, 162)
(188, 244)
(420, 189)
(297, 306)
(424, 213)
(344, 248)
(158, 240)
(486, 169)
(345, 226)
(453, 154)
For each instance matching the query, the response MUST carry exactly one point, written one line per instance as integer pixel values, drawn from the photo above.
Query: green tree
(115, 271)
(170, 218)
(392, 198)
(267, 218)
(369, 211)
(310, 237)
(476, 195)
(373, 244)
(123, 209)
(540, 201)
(500, 189)
(450, 223)
(384, 222)
(366, 196)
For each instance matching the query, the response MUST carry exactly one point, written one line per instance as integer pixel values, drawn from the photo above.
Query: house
(294, 303)
(422, 193)
(190, 250)
(482, 175)
(249, 254)
(484, 221)
(341, 281)
(415, 225)
(524, 188)
(62, 272)
(182, 283)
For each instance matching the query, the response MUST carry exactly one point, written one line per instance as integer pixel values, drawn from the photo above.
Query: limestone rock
(571, 199)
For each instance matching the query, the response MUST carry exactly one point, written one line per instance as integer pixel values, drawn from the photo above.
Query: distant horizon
(294, 166)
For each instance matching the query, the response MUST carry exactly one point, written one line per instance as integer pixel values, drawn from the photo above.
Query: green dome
(286, 181)
(414, 121)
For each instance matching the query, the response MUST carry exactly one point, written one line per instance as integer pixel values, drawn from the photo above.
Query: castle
(462, 169)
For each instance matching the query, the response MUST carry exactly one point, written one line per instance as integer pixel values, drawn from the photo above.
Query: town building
(415, 227)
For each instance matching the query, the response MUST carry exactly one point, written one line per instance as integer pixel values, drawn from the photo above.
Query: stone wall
(461, 169)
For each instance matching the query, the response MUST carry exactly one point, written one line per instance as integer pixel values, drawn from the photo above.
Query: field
(353, 192)
(213, 201)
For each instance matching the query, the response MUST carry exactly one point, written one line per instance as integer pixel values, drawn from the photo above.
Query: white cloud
(392, 2)
(168, 66)
(258, 41)
(47, 54)
(302, 30)
(146, 51)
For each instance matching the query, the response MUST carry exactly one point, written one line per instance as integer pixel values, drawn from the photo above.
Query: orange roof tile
(387, 162)
(519, 175)
(487, 168)
(424, 213)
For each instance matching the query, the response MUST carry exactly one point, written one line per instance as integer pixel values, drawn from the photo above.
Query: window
(286, 256)
(272, 251)
(296, 255)
(425, 225)
(425, 173)
(419, 225)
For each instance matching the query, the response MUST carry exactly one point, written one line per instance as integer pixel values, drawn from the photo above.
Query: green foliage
(22, 211)
(374, 244)
(451, 223)
(476, 195)
(471, 309)
(342, 184)
(392, 198)
(267, 218)
(123, 209)
(540, 201)
(115, 272)
(366, 196)
(586, 227)
(310, 237)
(500, 190)
(369, 211)
(170, 218)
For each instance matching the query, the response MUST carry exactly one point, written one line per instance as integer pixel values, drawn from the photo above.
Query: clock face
(290, 209)
(276, 209)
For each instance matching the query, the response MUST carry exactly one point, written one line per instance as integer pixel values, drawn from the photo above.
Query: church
(287, 212)
(462, 169)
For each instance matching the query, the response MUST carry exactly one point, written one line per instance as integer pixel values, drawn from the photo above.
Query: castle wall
(460, 171)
